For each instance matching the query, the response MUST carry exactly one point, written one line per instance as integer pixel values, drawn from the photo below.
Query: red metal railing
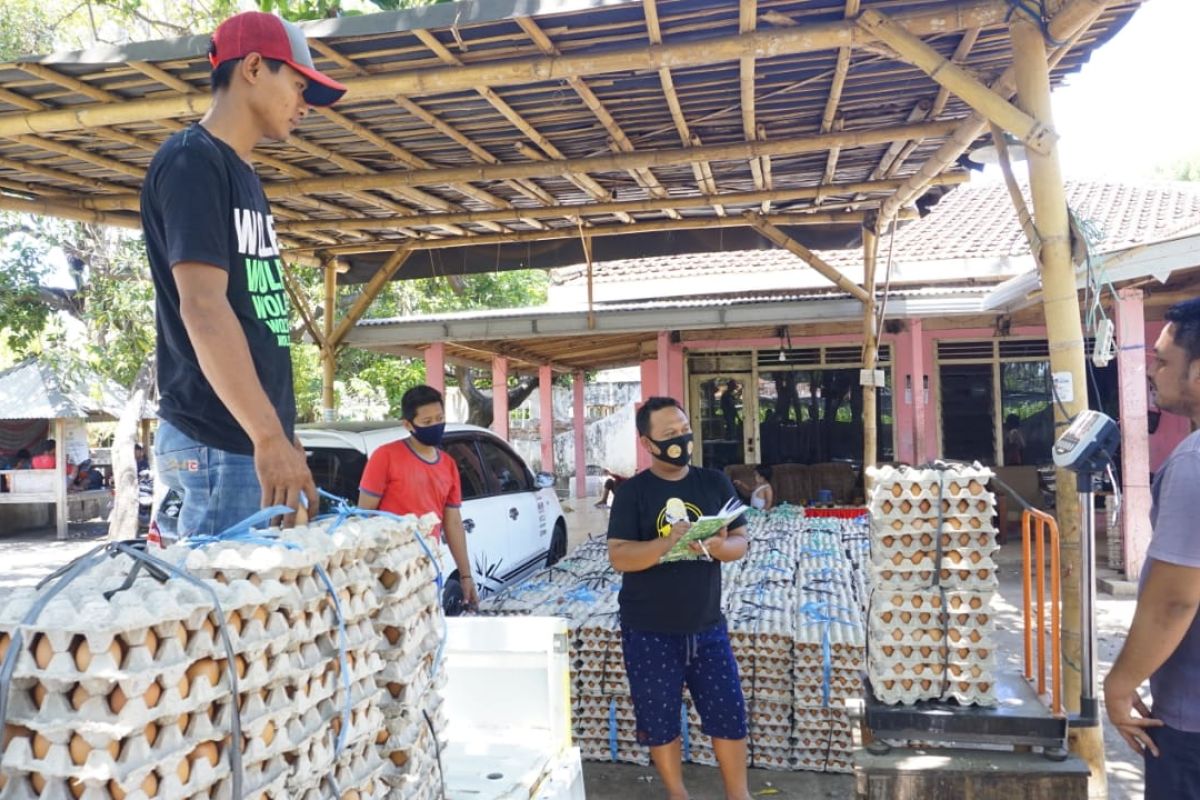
(1040, 527)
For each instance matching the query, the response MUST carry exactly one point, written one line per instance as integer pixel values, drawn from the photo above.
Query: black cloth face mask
(677, 451)
(429, 435)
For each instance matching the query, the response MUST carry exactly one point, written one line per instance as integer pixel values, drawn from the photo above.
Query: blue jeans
(1175, 773)
(218, 489)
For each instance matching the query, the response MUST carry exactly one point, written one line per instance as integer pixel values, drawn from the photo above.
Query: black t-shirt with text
(201, 202)
(680, 596)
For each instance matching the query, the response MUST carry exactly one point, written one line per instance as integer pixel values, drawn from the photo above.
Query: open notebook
(701, 529)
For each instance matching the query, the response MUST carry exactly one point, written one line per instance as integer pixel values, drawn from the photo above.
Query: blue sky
(1137, 103)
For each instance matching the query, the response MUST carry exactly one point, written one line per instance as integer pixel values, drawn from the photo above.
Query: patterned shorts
(660, 664)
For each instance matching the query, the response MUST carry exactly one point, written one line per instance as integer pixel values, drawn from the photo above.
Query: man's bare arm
(631, 556)
(225, 360)
(1166, 607)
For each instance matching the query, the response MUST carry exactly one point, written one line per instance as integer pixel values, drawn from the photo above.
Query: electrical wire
(1036, 11)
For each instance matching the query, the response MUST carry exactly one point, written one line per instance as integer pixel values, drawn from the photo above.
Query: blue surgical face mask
(429, 435)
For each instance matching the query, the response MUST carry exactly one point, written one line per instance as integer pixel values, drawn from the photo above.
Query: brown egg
(151, 642)
(41, 746)
(388, 578)
(183, 721)
(3, 646)
(350, 794)
(37, 782)
(260, 614)
(151, 732)
(207, 668)
(152, 695)
(116, 698)
(268, 733)
(11, 732)
(392, 634)
(76, 786)
(206, 750)
(43, 651)
(83, 653)
(38, 694)
(207, 627)
(80, 749)
(184, 770)
(381, 737)
(239, 665)
(234, 622)
(185, 686)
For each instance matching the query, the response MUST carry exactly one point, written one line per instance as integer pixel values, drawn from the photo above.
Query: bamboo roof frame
(463, 126)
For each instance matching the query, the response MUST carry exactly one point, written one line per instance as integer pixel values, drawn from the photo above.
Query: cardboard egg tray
(131, 694)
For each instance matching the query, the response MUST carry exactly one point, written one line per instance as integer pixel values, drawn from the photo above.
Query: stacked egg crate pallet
(127, 693)
(931, 625)
(793, 571)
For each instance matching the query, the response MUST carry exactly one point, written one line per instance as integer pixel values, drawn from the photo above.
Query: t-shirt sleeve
(192, 193)
(727, 493)
(623, 516)
(454, 498)
(375, 475)
(1176, 539)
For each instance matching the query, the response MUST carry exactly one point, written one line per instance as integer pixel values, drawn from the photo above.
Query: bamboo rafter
(829, 118)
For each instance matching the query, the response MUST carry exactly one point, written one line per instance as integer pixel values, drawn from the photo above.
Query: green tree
(1181, 169)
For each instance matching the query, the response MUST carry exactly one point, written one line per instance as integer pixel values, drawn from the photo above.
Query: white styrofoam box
(509, 676)
(564, 778)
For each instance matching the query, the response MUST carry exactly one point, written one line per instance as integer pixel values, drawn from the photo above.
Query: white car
(513, 520)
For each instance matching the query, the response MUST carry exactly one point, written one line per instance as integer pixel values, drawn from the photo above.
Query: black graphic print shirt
(202, 203)
(680, 596)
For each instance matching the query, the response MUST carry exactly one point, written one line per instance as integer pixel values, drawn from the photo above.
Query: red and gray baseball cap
(277, 39)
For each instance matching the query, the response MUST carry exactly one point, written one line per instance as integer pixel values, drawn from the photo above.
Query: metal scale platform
(1019, 718)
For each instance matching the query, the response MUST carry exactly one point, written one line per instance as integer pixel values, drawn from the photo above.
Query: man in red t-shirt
(412, 476)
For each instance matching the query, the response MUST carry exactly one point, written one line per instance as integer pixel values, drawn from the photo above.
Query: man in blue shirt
(1164, 639)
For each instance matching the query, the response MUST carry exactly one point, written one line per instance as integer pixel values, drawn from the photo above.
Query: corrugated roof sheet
(35, 390)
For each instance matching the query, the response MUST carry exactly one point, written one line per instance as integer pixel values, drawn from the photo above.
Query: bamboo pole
(687, 224)
(301, 305)
(781, 239)
(1035, 133)
(870, 395)
(368, 294)
(447, 80)
(48, 208)
(1064, 330)
(618, 162)
(1070, 23)
(626, 206)
(329, 351)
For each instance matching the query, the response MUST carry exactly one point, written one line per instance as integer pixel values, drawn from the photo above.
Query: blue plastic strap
(612, 727)
(821, 612)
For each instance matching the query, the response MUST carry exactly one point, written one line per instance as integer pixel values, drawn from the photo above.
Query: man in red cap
(225, 442)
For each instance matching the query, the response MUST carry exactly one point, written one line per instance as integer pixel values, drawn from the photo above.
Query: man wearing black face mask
(413, 476)
(672, 629)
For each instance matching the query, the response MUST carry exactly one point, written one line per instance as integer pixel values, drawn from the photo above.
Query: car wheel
(452, 597)
(558, 544)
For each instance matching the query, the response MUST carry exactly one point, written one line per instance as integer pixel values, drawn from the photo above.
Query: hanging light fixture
(988, 154)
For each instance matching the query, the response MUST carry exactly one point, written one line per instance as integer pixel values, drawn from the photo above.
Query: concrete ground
(26, 557)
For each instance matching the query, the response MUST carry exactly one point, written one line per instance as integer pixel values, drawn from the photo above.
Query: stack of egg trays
(130, 696)
(920, 651)
(408, 626)
(325, 690)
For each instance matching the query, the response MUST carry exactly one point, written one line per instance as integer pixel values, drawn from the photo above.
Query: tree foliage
(1181, 169)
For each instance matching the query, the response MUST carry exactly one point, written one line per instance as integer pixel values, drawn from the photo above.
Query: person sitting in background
(23, 459)
(610, 487)
(45, 457)
(1014, 442)
(87, 477)
(761, 496)
(139, 456)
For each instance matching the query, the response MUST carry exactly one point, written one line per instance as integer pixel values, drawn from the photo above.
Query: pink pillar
(580, 438)
(675, 374)
(922, 451)
(435, 366)
(902, 398)
(500, 396)
(664, 363)
(546, 395)
(1135, 435)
